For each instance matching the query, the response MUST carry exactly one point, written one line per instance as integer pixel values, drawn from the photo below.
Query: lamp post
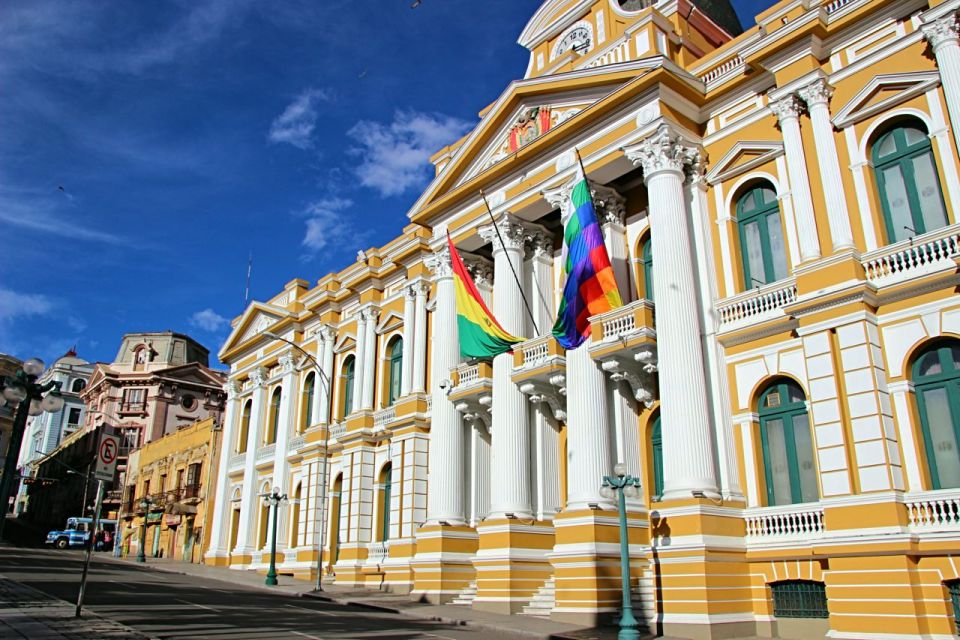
(273, 499)
(623, 485)
(144, 504)
(326, 450)
(32, 399)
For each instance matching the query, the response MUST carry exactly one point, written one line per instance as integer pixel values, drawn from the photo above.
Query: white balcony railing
(265, 452)
(533, 352)
(723, 69)
(797, 521)
(296, 442)
(377, 552)
(836, 5)
(619, 52)
(912, 258)
(236, 460)
(934, 510)
(338, 429)
(468, 374)
(383, 418)
(758, 304)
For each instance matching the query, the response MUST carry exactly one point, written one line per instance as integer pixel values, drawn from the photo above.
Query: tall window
(656, 440)
(306, 401)
(762, 247)
(936, 379)
(295, 517)
(244, 427)
(787, 445)
(347, 387)
(906, 173)
(273, 421)
(646, 264)
(396, 370)
(386, 489)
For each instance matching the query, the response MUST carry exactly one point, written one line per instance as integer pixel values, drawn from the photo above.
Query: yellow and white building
(782, 210)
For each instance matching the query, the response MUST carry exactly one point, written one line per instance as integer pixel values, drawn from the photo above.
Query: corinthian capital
(816, 93)
(941, 31)
(370, 313)
(286, 362)
(439, 263)
(786, 107)
(663, 151)
(328, 333)
(257, 376)
(507, 235)
(481, 271)
(232, 389)
(611, 206)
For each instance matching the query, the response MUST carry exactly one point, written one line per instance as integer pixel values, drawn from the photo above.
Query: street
(168, 605)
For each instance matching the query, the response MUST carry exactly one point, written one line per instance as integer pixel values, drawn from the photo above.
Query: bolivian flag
(481, 336)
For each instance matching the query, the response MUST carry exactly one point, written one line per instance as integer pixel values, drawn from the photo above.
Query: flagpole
(516, 279)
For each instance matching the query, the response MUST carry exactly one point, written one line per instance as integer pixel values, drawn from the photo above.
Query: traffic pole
(90, 543)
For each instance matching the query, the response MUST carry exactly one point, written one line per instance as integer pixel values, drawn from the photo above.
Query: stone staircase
(465, 598)
(543, 600)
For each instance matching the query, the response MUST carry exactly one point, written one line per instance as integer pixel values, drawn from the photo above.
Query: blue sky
(187, 133)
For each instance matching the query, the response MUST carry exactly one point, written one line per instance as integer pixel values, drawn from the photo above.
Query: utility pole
(90, 543)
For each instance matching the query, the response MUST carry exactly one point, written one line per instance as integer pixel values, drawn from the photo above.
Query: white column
(510, 451)
(479, 474)
(359, 361)
(787, 110)
(419, 381)
(249, 503)
(589, 445)
(611, 211)
(548, 471)
(687, 438)
(817, 96)
(323, 389)
(222, 505)
(285, 427)
(370, 356)
(943, 37)
(541, 291)
(445, 496)
(409, 323)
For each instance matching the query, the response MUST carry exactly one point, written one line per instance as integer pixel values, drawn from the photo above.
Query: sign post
(105, 466)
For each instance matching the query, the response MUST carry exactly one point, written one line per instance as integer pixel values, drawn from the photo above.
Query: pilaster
(248, 498)
(219, 552)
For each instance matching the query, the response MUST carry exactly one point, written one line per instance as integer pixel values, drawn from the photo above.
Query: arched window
(787, 445)
(333, 543)
(295, 517)
(646, 265)
(386, 489)
(347, 387)
(762, 247)
(306, 401)
(936, 379)
(395, 370)
(244, 426)
(78, 385)
(906, 173)
(656, 442)
(273, 419)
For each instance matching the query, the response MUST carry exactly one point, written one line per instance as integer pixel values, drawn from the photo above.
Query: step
(466, 597)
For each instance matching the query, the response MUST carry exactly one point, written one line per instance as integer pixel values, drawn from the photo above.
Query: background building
(8, 366)
(781, 209)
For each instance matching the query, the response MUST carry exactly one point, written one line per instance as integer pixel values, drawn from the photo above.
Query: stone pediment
(389, 321)
(255, 320)
(742, 157)
(882, 93)
(345, 342)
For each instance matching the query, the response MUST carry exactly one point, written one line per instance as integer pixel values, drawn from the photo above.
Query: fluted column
(419, 381)
(687, 439)
(359, 361)
(787, 110)
(219, 525)
(589, 445)
(409, 324)
(817, 96)
(445, 495)
(510, 457)
(248, 495)
(541, 263)
(944, 38)
(370, 356)
(285, 427)
(322, 395)
(611, 212)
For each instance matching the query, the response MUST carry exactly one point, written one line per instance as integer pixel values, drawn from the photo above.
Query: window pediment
(884, 92)
(742, 157)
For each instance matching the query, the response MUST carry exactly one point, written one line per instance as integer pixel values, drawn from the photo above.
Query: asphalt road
(167, 605)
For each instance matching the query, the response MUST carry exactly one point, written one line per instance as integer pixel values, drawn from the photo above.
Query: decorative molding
(725, 169)
(941, 31)
(638, 373)
(910, 84)
(481, 270)
(439, 263)
(789, 106)
(286, 362)
(816, 93)
(258, 376)
(663, 151)
(511, 234)
(551, 396)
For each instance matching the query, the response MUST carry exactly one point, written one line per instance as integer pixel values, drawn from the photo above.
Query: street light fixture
(144, 505)
(273, 499)
(623, 485)
(31, 399)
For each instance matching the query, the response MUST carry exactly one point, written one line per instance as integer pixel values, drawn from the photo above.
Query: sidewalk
(390, 602)
(28, 614)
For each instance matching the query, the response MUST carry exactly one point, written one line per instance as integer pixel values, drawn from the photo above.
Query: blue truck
(77, 532)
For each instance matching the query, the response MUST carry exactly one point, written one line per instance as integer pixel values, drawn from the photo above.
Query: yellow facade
(798, 186)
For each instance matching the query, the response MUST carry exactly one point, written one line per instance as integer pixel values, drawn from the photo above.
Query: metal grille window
(954, 588)
(799, 599)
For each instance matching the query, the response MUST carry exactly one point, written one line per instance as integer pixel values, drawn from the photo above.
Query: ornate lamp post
(32, 399)
(624, 486)
(273, 499)
(144, 505)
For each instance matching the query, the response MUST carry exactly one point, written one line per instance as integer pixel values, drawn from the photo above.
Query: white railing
(934, 510)
(377, 552)
(623, 321)
(265, 452)
(619, 52)
(338, 430)
(535, 351)
(468, 374)
(429, 402)
(296, 442)
(724, 68)
(237, 460)
(383, 418)
(757, 304)
(909, 258)
(836, 5)
(794, 521)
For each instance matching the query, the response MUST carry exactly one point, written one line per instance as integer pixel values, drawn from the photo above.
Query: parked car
(77, 532)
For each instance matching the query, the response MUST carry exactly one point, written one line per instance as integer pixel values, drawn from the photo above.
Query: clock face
(578, 39)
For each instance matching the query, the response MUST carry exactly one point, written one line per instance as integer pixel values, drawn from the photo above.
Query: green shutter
(657, 445)
(760, 229)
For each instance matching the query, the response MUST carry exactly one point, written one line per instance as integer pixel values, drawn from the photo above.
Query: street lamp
(273, 499)
(326, 451)
(144, 505)
(624, 486)
(32, 399)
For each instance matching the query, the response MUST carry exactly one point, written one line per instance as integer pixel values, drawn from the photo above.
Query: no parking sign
(107, 453)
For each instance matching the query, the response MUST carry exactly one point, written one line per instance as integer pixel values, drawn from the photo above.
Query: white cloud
(395, 157)
(36, 210)
(208, 320)
(327, 225)
(296, 124)
(15, 305)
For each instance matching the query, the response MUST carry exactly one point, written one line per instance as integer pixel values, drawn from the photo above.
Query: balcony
(189, 492)
(295, 443)
(266, 452)
(236, 461)
(933, 511)
(472, 391)
(751, 307)
(133, 407)
(384, 418)
(624, 343)
(338, 430)
(784, 524)
(931, 253)
(539, 370)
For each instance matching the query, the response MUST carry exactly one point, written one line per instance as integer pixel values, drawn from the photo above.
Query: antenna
(246, 291)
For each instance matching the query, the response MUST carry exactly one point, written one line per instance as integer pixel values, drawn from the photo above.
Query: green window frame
(348, 368)
(244, 427)
(275, 399)
(396, 371)
(763, 249)
(385, 507)
(646, 262)
(656, 442)
(936, 379)
(799, 599)
(953, 588)
(309, 389)
(908, 181)
(786, 438)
